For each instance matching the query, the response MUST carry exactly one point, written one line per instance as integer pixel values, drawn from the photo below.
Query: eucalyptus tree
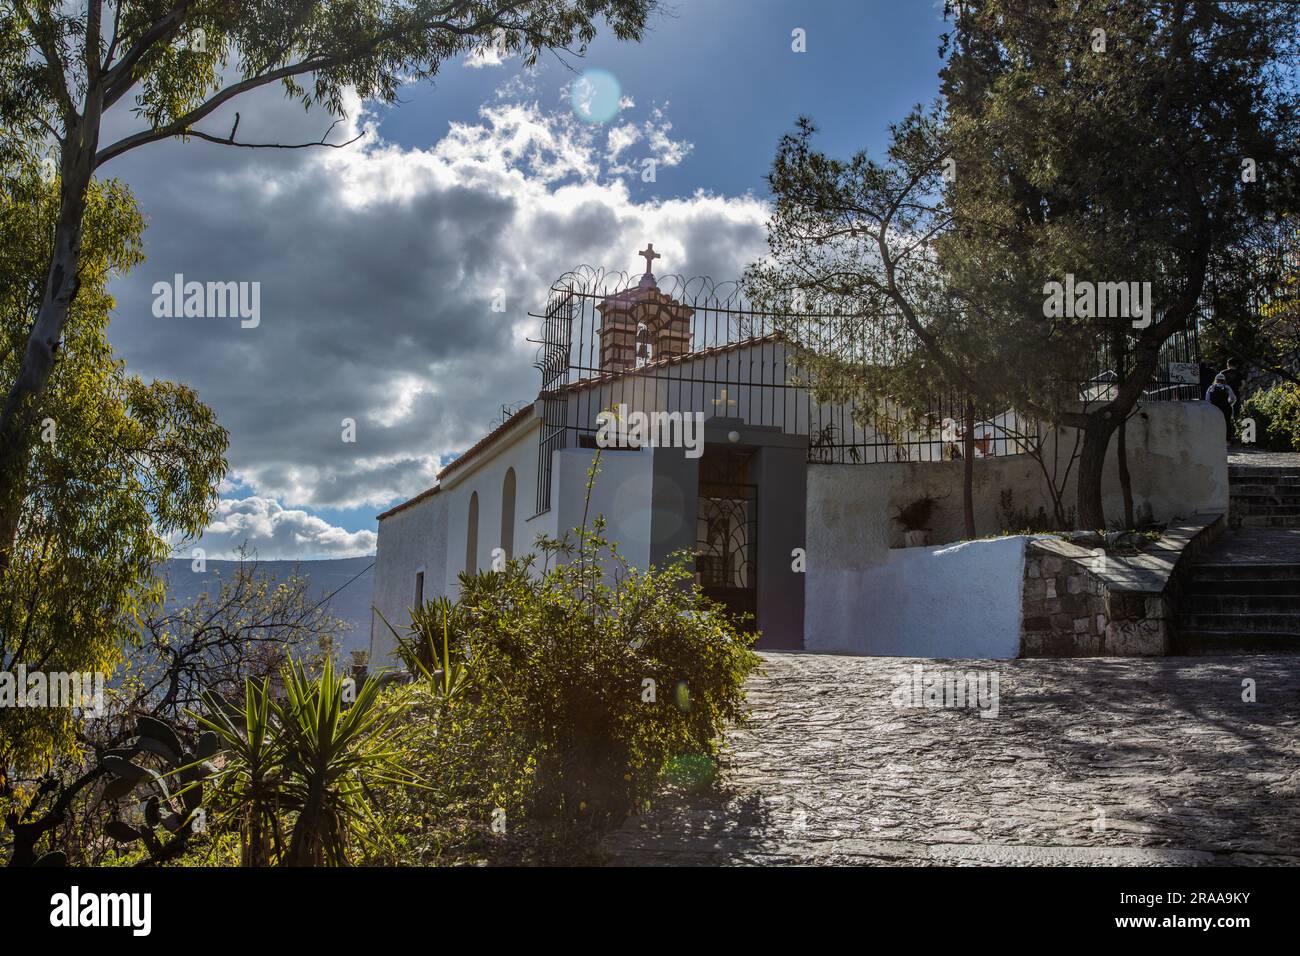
(66, 68)
(119, 467)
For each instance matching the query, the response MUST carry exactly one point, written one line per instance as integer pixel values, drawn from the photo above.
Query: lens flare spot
(596, 96)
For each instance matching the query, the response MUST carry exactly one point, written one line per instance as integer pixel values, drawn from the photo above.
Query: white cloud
(275, 533)
(377, 266)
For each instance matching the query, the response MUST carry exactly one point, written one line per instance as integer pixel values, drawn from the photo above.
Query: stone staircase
(1243, 594)
(1263, 496)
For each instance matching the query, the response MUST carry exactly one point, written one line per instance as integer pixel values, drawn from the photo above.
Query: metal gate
(727, 535)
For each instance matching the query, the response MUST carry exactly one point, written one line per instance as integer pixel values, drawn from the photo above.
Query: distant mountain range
(351, 604)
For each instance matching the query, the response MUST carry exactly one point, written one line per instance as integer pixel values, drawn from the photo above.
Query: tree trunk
(25, 837)
(968, 472)
(1092, 461)
(1125, 482)
(1120, 347)
(1101, 423)
(18, 418)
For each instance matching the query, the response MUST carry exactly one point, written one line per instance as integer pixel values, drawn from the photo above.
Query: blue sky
(732, 83)
(373, 261)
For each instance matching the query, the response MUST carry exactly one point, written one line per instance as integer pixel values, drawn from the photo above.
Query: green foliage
(581, 647)
(427, 648)
(853, 275)
(1276, 412)
(212, 644)
(333, 750)
(582, 686)
(127, 465)
(1113, 158)
(145, 52)
(1255, 310)
(313, 754)
(247, 785)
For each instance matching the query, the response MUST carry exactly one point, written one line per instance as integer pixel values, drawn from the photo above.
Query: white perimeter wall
(485, 475)
(431, 535)
(1177, 463)
(959, 600)
(1178, 468)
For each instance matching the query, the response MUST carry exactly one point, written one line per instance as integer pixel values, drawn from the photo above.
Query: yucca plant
(331, 753)
(426, 648)
(251, 778)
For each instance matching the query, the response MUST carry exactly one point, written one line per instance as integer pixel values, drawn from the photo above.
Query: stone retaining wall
(1083, 603)
(1069, 612)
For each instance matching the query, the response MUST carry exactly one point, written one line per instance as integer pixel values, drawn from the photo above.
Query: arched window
(508, 514)
(471, 536)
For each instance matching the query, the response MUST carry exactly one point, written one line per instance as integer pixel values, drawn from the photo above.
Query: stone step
(1252, 488)
(1264, 472)
(1282, 515)
(1236, 488)
(1244, 571)
(1267, 587)
(1284, 604)
(1268, 521)
(1273, 504)
(1248, 623)
(1262, 506)
(1289, 492)
(1229, 641)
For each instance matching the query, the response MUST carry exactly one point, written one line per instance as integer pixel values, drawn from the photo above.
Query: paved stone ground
(828, 771)
(1245, 455)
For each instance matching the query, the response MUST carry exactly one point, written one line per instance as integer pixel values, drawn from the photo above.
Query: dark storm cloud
(377, 268)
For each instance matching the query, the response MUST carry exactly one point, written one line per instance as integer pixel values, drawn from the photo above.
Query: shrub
(1023, 521)
(1276, 412)
(579, 685)
(916, 515)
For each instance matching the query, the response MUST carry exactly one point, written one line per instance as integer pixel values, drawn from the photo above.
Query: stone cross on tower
(650, 256)
(642, 315)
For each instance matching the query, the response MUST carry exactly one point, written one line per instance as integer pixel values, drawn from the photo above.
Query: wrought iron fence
(608, 338)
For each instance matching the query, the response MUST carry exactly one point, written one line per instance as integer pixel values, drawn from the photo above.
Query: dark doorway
(727, 534)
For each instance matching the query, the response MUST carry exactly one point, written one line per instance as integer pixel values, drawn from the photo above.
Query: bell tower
(642, 316)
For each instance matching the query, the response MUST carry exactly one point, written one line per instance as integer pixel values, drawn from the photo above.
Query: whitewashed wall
(410, 541)
(960, 600)
(1178, 468)
(431, 535)
(1176, 462)
(485, 475)
(621, 492)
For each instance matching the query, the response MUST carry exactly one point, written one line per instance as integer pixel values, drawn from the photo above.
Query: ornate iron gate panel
(727, 533)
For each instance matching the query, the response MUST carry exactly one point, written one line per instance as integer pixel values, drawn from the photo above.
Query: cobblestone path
(1099, 761)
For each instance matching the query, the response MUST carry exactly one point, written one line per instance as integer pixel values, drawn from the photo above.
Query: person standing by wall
(1222, 397)
(1235, 378)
